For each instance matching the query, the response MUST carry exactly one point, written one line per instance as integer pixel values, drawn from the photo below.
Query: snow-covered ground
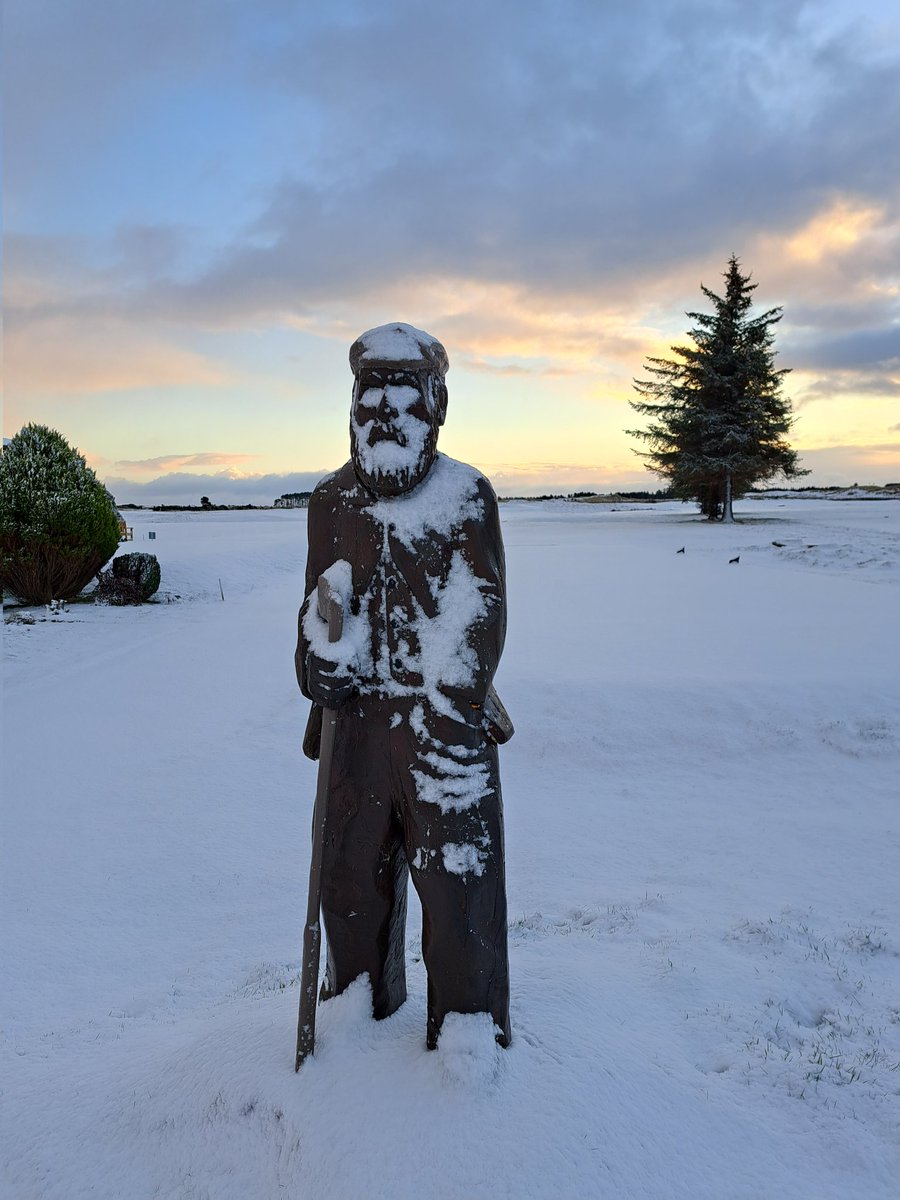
(703, 840)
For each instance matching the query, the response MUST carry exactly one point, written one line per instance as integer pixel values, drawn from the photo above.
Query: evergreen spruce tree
(718, 418)
(58, 523)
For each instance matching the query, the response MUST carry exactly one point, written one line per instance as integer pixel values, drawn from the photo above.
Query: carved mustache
(384, 433)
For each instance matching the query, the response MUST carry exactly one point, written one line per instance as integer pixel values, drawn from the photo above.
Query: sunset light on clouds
(206, 203)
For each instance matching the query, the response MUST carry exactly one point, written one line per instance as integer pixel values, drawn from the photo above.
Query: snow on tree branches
(718, 418)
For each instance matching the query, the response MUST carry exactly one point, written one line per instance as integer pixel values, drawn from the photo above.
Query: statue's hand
(329, 685)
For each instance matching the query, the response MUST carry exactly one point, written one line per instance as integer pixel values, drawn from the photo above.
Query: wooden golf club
(331, 610)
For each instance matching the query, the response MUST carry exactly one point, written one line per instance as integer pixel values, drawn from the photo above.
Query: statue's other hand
(328, 685)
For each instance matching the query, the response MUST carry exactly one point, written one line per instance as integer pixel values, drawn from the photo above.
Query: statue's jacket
(428, 604)
(414, 779)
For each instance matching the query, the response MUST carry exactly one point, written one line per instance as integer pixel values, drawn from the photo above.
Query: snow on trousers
(416, 793)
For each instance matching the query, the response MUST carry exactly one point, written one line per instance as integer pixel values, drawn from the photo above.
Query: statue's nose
(385, 410)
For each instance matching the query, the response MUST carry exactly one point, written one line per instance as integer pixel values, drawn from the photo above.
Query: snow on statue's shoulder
(334, 481)
(451, 493)
(333, 486)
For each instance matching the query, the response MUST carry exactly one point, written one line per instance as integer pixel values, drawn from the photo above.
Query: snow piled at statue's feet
(701, 841)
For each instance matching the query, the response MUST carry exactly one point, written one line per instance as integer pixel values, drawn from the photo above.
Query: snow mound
(468, 1050)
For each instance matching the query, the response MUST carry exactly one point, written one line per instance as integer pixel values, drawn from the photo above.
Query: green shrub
(132, 579)
(58, 523)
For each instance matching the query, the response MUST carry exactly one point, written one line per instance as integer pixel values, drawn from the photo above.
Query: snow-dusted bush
(58, 524)
(132, 579)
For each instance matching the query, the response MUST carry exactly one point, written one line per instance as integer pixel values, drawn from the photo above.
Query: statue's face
(393, 432)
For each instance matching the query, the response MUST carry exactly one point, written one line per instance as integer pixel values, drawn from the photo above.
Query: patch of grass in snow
(859, 737)
(827, 1035)
(595, 921)
(269, 978)
(843, 1048)
(787, 930)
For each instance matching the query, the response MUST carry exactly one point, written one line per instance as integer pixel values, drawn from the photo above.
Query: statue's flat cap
(400, 346)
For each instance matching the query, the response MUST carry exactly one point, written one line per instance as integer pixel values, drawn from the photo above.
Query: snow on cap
(399, 345)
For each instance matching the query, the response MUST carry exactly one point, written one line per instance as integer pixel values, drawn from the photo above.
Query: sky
(205, 203)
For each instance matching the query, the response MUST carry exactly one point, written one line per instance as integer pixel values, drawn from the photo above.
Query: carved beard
(388, 468)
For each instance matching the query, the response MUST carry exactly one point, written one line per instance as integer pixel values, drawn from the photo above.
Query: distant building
(293, 500)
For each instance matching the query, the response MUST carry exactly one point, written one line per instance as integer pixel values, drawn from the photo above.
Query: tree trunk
(727, 513)
(710, 501)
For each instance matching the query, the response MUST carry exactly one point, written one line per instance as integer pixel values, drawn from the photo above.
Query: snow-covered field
(703, 849)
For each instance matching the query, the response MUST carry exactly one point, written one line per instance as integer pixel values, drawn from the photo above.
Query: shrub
(132, 580)
(58, 523)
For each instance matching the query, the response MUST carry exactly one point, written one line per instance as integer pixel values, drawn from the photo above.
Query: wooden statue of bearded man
(415, 785)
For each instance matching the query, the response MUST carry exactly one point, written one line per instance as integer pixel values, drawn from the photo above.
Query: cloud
(635, 127)
(584, 154)
(864, 348)
(834, 231)
(830, 464)
(531, 477)
(841, 465)
(79, 355)
(169, 463)
(181, 487)
(57, 58)
(838, 268)
(841, 383)
(543, 189)
(471, 363)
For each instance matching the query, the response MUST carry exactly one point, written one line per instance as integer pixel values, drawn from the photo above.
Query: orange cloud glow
(71, 357)
(167, 463)
(837, 230)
